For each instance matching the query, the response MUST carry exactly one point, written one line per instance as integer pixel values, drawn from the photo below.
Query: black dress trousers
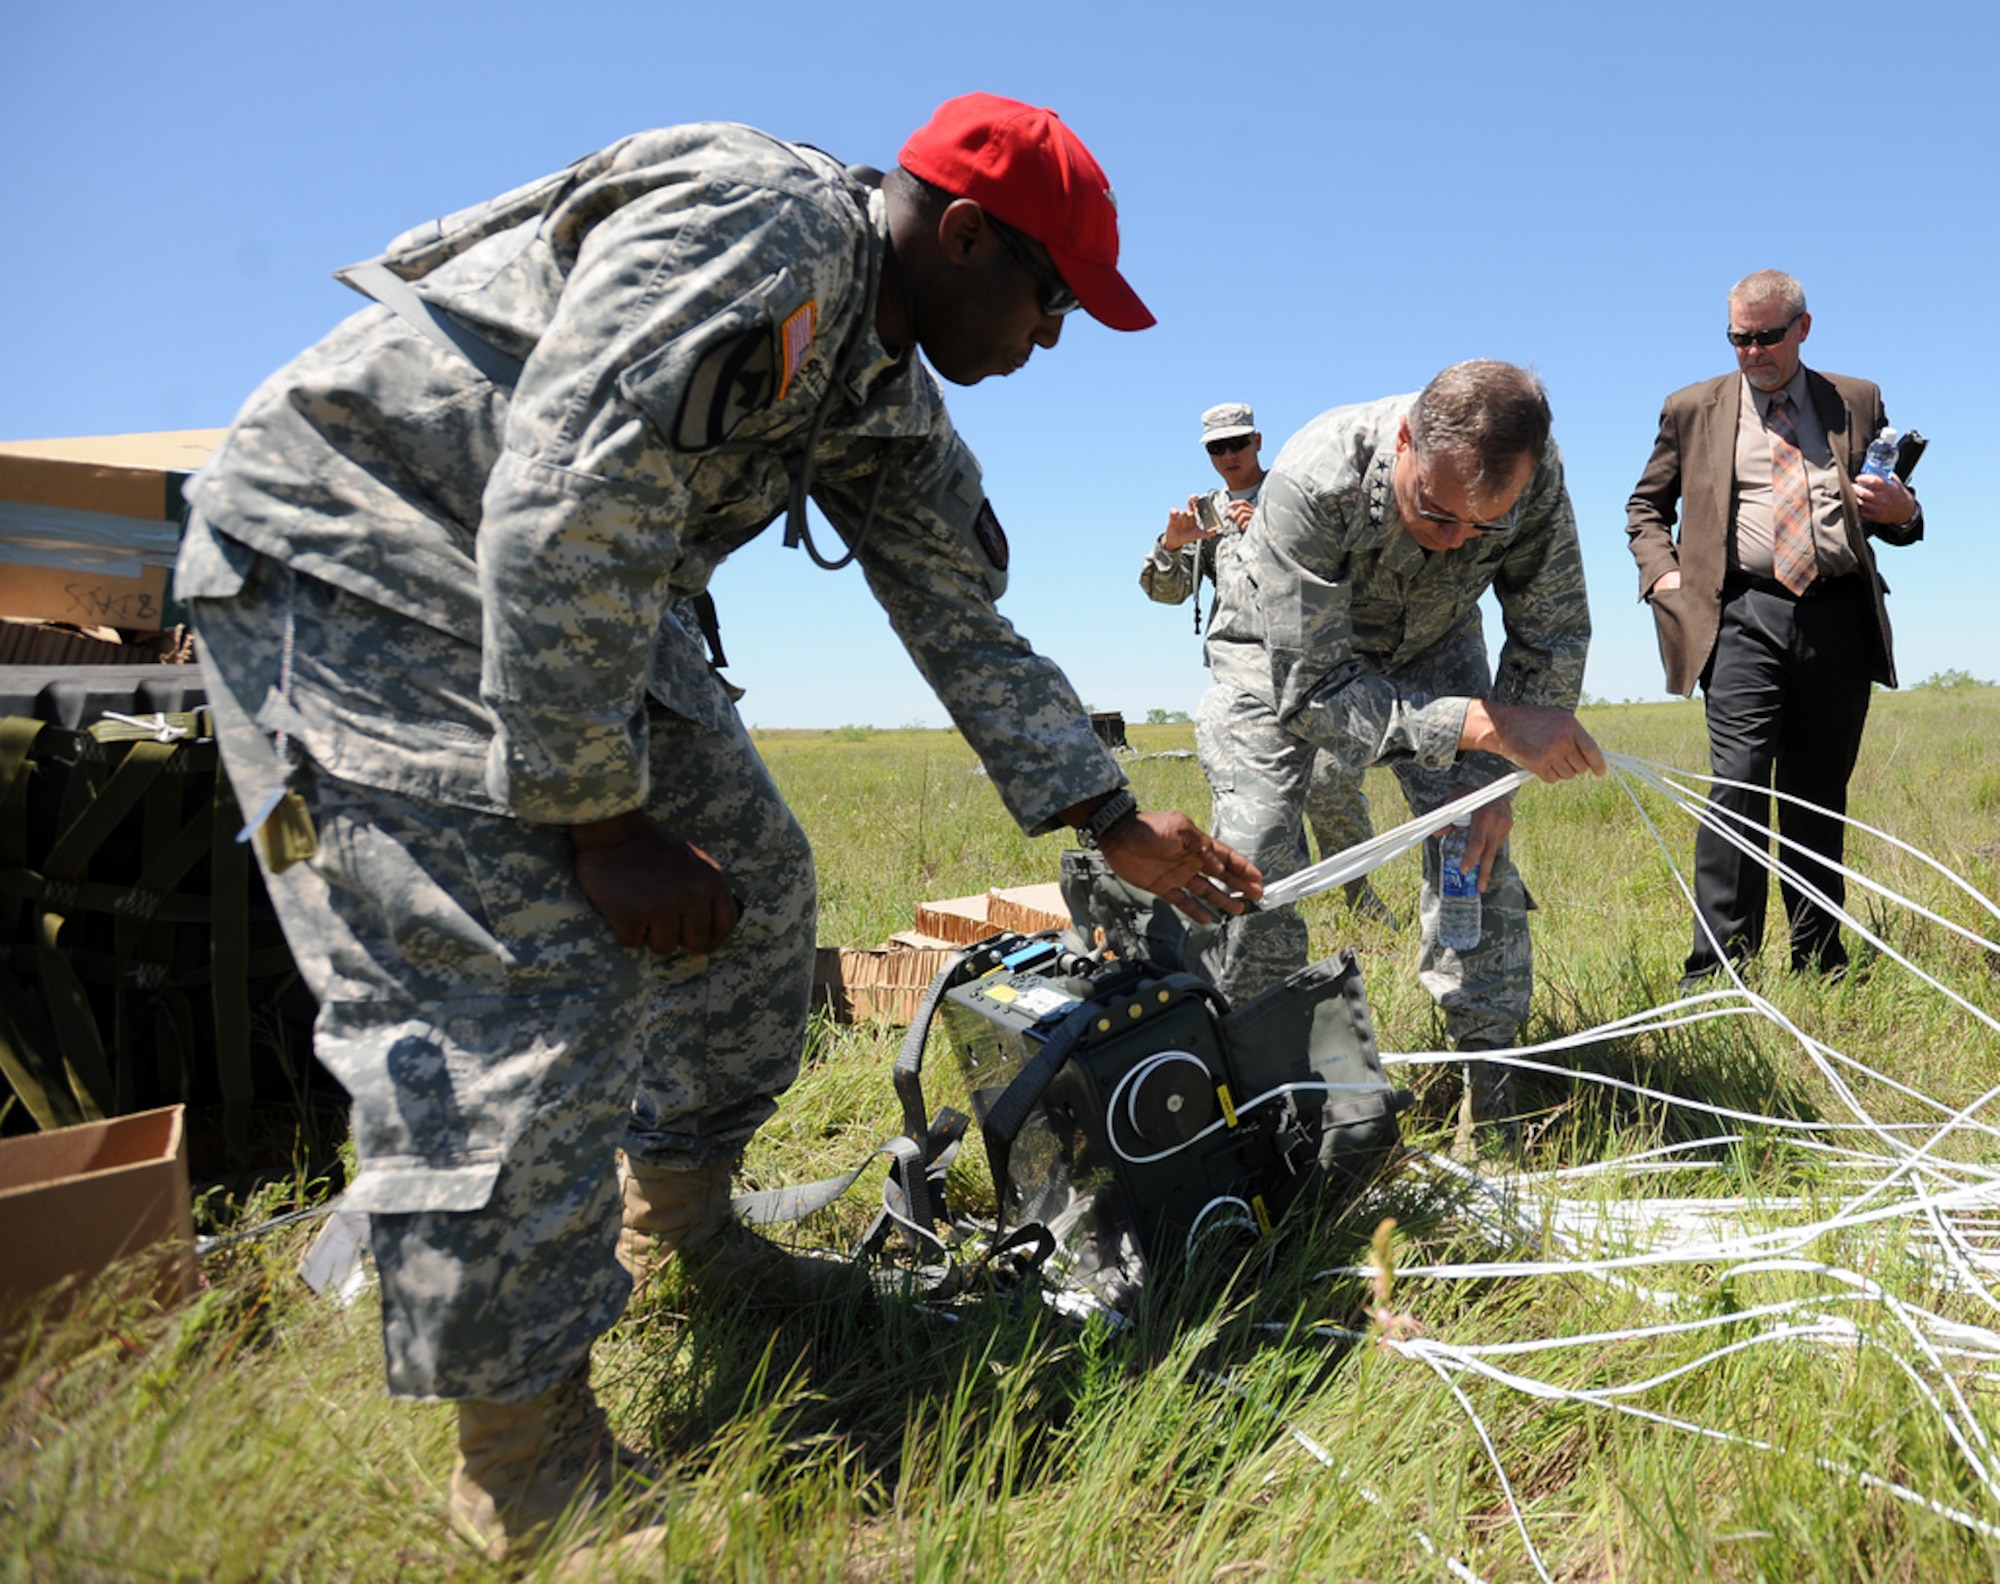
(1786, 694)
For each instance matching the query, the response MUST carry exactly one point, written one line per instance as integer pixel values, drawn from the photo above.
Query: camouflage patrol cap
(1227, 421)
(1027, 169)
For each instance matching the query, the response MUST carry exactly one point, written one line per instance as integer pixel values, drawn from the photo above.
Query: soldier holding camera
(1202, 541)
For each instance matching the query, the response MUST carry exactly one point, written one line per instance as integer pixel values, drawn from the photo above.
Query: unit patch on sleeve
(991, 536)
(735, 378)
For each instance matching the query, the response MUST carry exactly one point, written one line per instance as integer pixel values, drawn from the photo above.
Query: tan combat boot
(683, 1214)
(523, 1466)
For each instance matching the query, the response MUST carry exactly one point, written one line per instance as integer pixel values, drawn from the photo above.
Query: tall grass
(1270, 1420)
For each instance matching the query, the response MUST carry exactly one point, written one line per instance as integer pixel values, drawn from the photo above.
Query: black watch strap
(1120, 805)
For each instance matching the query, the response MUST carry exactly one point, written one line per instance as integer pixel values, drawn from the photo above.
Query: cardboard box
(887, 982)
(75, 1200)
(89, 526)
(965, 920)
(876, 983)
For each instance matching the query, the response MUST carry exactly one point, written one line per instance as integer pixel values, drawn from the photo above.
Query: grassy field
(1814, 1403)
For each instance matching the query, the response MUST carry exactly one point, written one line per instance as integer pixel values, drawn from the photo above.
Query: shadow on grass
(998, 1393)
(1741, 1064)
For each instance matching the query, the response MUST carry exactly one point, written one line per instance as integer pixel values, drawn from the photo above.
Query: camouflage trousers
(1336, 807)
(1260, 773)
(496, 1042)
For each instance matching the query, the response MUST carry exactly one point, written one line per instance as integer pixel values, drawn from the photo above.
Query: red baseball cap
(1034, 174)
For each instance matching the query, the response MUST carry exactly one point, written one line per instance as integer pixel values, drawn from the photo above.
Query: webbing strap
(24, 1031)
(24, 1025)
(229, 962)
(17, 744)
(121, 774)
(85, 827)
(376, 281)
(77, 1040)
(906, 1197)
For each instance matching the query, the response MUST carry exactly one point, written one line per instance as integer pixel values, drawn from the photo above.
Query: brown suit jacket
(1694, 465)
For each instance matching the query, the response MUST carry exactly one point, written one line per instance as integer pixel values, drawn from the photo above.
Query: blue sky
(1323, 203)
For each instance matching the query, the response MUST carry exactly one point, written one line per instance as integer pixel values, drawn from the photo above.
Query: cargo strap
(913, 1201)
(52, 1050)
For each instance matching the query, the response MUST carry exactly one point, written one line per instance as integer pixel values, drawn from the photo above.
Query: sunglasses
(1444, 519)
(1052, 293)
(1762, 338)
(1224, 447)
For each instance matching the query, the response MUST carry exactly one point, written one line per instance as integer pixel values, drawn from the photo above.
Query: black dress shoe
(1697, 980)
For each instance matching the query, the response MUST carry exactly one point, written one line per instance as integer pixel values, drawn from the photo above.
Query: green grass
(1256, 1424)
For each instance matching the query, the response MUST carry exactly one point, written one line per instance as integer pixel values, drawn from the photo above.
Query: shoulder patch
(991, 536)
(795, 338)
(735, 378)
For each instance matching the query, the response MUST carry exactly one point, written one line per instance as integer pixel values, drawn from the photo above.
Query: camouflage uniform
(1350, 640)
(696, 311)
(1336, 805)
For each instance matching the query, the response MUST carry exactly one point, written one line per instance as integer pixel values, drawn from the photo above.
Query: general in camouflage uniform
(1187, 552)
(1356, 635)
(436, 567)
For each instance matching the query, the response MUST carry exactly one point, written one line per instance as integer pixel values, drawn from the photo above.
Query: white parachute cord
(1813, 1049)
(1299, 1438)
(1648, 769)
(1962, 1426)
(1816, 1051)
(1752, 838)
(1364, 857)
(1442, 1356)
(1903, 1315)
(1754, 848)
(1756, 855)
(1779, 1243)
(1492, 1457)
(1862, 1477)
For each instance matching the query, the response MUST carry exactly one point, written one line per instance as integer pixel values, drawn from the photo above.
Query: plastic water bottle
(1458, 890)
(1882, 454)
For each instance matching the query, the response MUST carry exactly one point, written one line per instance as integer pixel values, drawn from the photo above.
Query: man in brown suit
(1771, 600)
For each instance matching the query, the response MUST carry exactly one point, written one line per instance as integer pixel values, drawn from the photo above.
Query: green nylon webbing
(52, 1049)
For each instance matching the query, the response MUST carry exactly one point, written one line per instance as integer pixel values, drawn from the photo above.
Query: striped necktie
(1791, 505)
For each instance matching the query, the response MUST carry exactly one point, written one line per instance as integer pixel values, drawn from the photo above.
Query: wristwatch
(1120, 805)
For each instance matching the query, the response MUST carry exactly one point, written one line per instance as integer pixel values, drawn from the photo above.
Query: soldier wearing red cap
(549, 899)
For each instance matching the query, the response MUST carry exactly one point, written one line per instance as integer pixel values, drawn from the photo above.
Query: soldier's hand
(654, 889)
(1172, 857)
(1550, 743)
(1182, 529)
(1492, 823)
(1240, 512)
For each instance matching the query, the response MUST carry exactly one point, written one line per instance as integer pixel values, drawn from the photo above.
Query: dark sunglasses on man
(1762, 338)
(1224, 447)
(1052, 293)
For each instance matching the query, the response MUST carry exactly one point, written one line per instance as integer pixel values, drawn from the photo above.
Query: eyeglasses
(1762, 338)
(1429, 512)
(1052, 293)
(1224, 447)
